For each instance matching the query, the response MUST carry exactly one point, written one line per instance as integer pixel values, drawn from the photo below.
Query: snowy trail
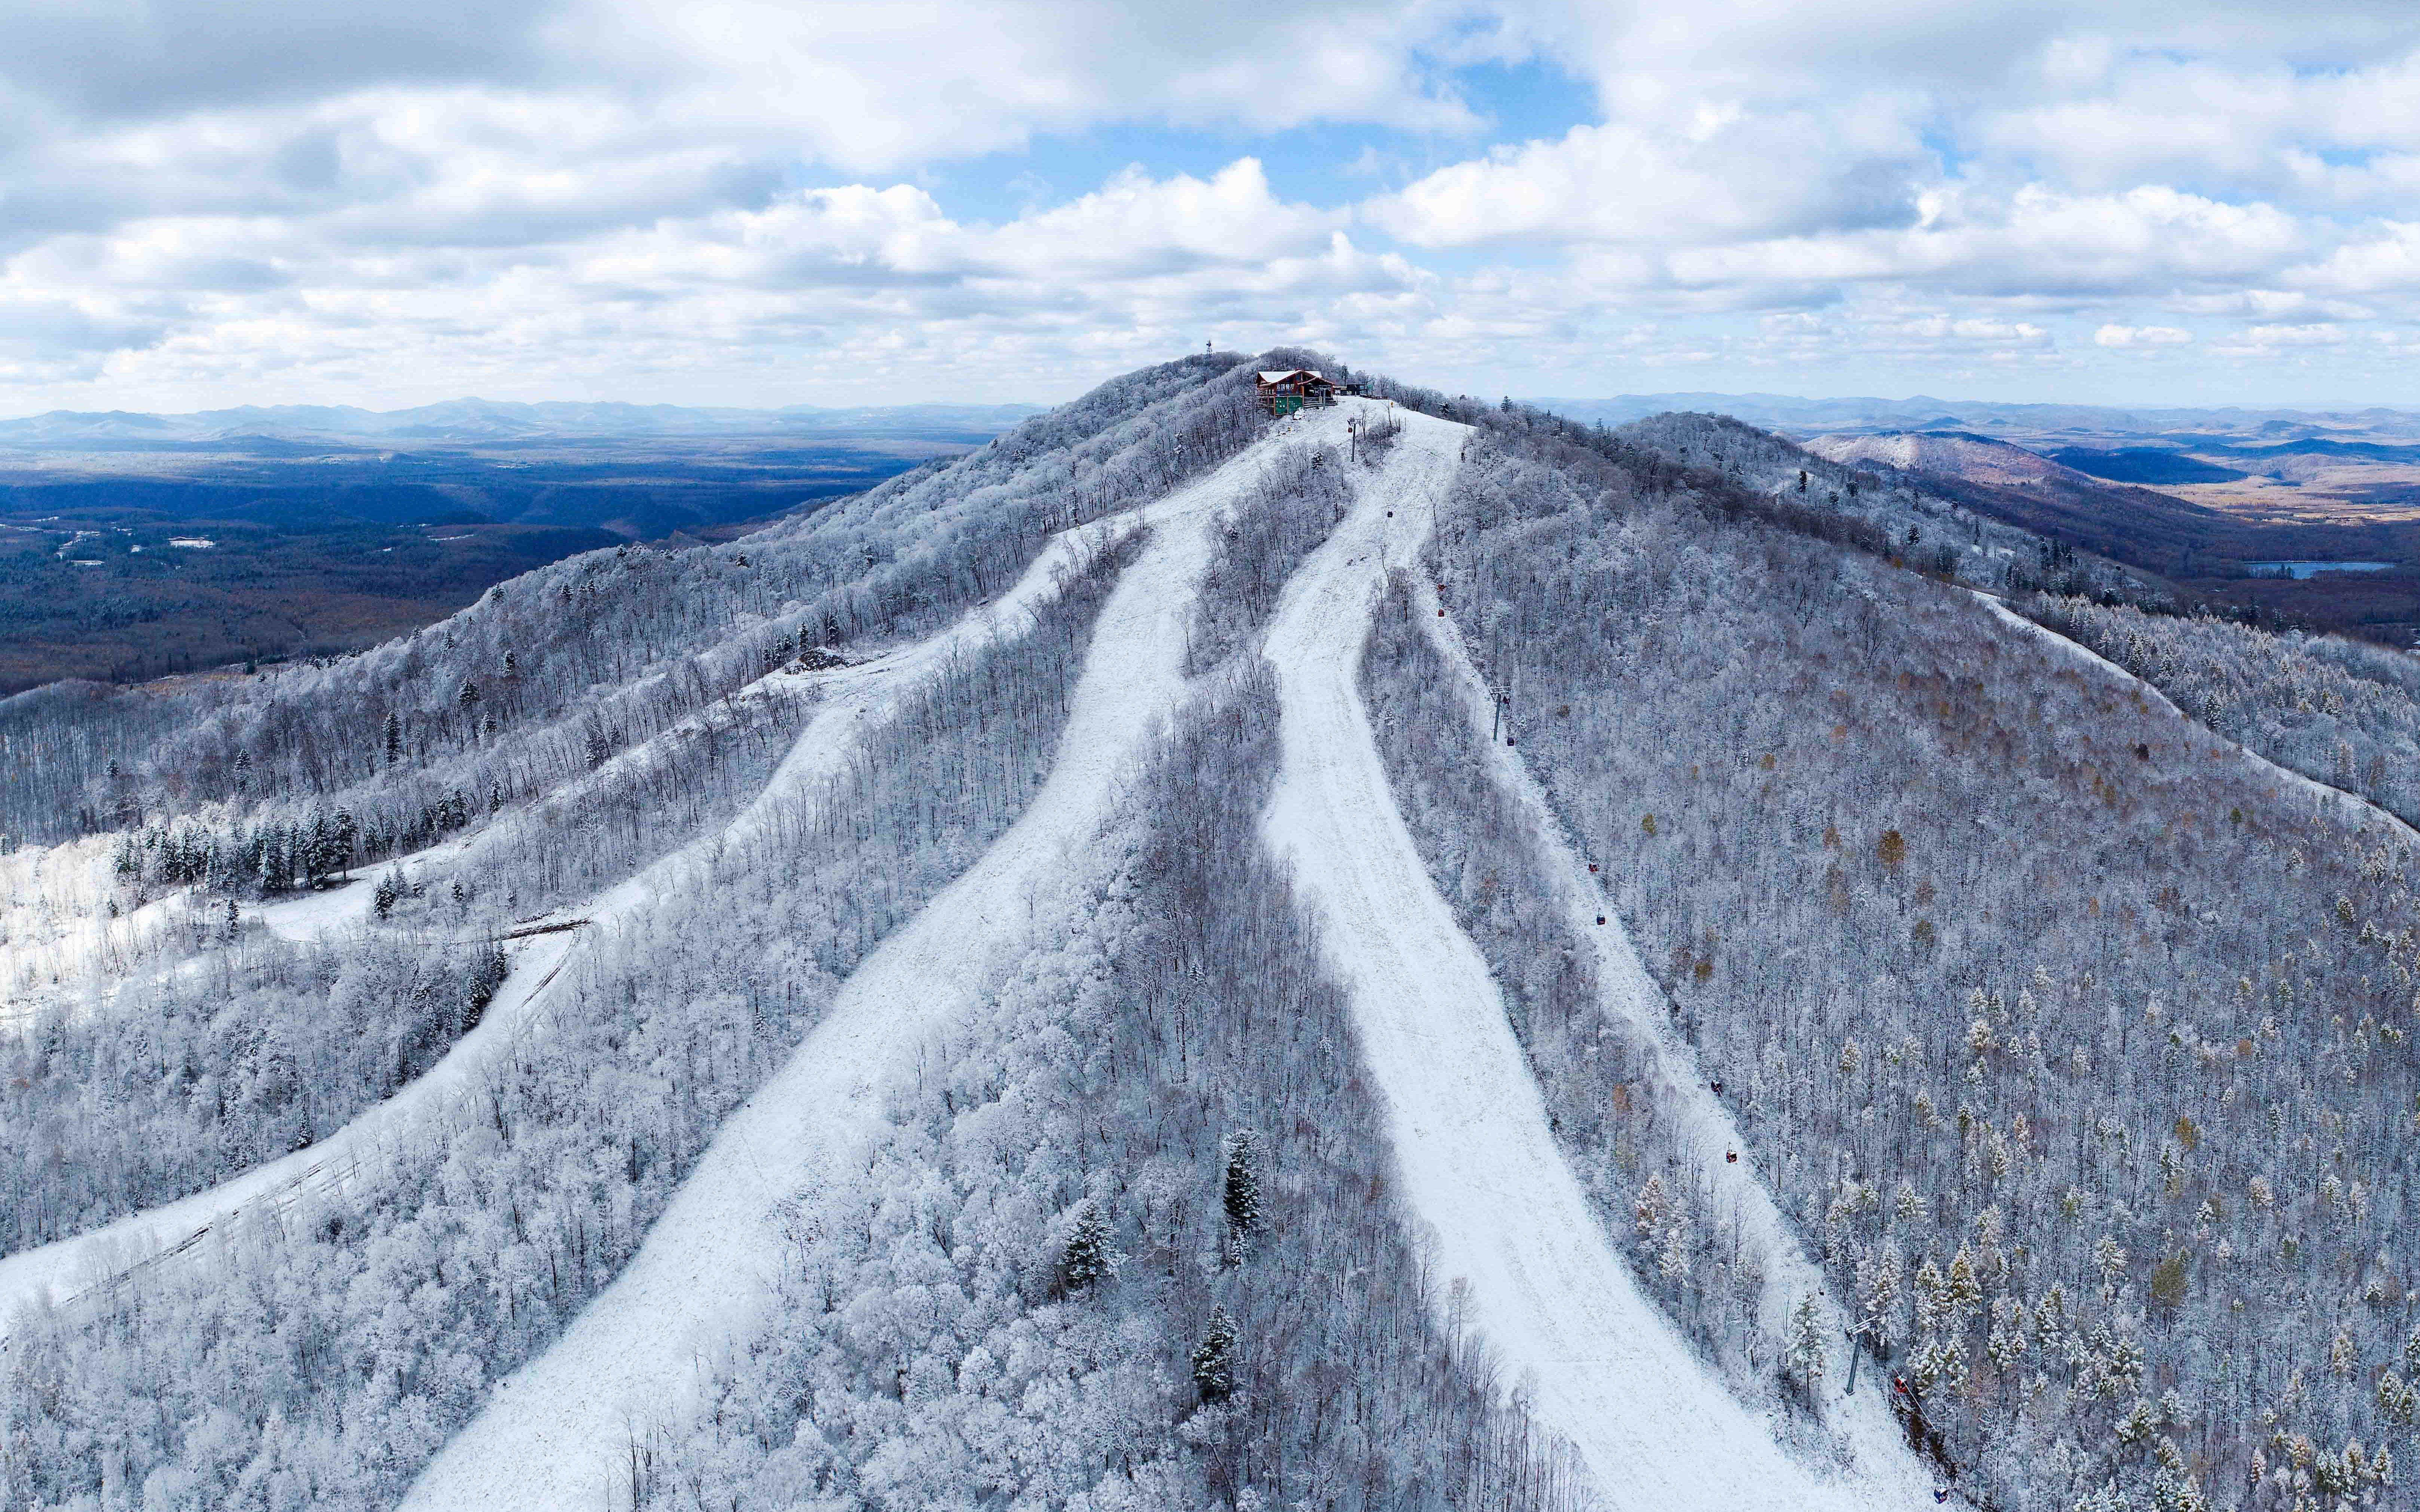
(852, 695)
(68, 1268)
(1479, 1164)
(556, 1432)
(1683, 1095)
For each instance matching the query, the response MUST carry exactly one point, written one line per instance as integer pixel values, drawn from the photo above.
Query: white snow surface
(1479, 1164)
(57, 941)
(556, 1432)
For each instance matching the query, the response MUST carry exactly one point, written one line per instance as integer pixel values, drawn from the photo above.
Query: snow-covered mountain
(1957, 453)
(1413, 954)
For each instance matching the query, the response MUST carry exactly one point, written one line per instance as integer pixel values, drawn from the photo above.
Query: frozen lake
(2308, 569)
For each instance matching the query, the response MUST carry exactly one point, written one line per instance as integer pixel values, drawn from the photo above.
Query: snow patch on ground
(56, 936)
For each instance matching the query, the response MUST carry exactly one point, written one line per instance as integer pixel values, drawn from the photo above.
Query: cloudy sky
(386, 202)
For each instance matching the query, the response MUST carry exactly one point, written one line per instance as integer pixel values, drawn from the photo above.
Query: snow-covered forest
(2075, 1038)
(1976, 1050)
(316, 1355)
(1103, 1251)
(552, 672)
(2344, 713)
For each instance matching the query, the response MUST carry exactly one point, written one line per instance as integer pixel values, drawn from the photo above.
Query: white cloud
(2141, 338)
(2310, 335)
(382, 201)
(1713, 177)
(2275, 342)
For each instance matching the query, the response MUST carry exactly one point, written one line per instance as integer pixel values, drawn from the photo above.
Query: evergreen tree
(1086, 1259)
(1883, 1278)
(391, 737)
(1214, 1358)
(1242, 1192)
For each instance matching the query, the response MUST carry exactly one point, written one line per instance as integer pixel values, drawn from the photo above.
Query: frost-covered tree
(1085, 1258)
(1214, 1358)
(1804, 1354)
(1239, 1192)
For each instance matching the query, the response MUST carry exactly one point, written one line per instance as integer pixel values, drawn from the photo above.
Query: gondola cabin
(1285, 394)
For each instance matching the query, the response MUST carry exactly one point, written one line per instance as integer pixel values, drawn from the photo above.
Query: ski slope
(852, 694)
(65, 1270)
(557, 1433)
(1479, 1165)
(1680, 1093)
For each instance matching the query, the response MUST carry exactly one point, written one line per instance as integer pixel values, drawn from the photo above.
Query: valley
(138, 546)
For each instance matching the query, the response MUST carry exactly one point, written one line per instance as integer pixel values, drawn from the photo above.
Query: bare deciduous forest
(2077, 1041)
(2070, 1038)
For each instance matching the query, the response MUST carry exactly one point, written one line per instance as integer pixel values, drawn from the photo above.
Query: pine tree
(1881, 1279)
(391, 737)
(1962, 1293)
(1931, 1302)
(1214, 1358)
(1241, 1194)
(1086, 1258)
(1652, 1207)
(1672, 1254)
(2341, 1358)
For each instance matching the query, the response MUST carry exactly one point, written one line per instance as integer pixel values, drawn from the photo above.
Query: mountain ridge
(475, 419)
(1088, 967)
(1801, 417)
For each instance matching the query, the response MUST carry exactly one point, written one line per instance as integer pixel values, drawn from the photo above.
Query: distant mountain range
(1810, 417)
(489, 421)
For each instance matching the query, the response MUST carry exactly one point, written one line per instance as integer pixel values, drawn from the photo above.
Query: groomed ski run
(1479, 1164)
(556, 1433)
(851, 696)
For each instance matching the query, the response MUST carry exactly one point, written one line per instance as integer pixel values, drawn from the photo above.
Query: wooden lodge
(1285, 394)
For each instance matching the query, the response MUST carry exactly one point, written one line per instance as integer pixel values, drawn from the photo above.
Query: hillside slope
(1417, 955)
(701, 1281)
(2151, 529)
(1469, 1129)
